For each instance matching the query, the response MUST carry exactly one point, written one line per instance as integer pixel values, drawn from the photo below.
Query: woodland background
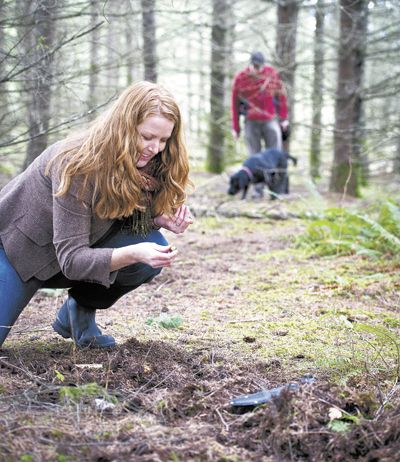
(62, 61)
(265, 292)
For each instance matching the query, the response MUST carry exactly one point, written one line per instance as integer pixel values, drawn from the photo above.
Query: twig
(24, 371)
(222, 420)
(54, 128)
(162, 285)
(234, 321)
(23, 330)
(88, 443)
(392, 392)
(13, 73)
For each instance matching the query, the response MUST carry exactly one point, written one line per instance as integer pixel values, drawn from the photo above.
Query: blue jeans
(15, 294)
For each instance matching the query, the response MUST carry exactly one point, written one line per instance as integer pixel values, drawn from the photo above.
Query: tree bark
(131, 44)
(149, 40)
(359, 108)
(396, 161)
(189, 87)
(345, 175)
(201, 90)
(113, 51)
(94, 57)
(4, 109)
(40, 76)
(215, 150)
(287, 13)
(317, 93)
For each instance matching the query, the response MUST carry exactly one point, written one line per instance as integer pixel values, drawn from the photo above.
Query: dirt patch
(255, 316)
(171, 404)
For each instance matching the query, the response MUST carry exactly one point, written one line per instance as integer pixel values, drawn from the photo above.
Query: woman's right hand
(154, 255)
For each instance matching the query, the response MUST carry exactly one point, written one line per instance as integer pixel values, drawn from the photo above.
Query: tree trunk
(131, 44)
(215, 150)
(189, 87)
(345, 176)
(94, 57)
(396, 161)
(359, 113)
(149, 40)
(317, 94)
(40, 76)
(286, 50)
(113, 51)
(4, 110)
(201, 91)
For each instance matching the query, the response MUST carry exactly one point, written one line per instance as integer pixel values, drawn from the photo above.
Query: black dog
(269, 167)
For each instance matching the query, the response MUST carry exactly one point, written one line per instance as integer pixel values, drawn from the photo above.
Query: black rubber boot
(79, 323)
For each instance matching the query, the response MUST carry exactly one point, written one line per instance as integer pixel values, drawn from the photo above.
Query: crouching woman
(86, 214)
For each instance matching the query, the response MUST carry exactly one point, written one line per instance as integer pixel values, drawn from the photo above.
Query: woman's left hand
(176, 223)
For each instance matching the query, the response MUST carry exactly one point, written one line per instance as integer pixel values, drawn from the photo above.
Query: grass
(246, 296)
(304, 310)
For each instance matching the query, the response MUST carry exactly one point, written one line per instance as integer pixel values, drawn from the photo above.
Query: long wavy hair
(106, 154)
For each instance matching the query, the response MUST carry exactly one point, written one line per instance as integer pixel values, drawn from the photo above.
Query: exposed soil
(168, 391)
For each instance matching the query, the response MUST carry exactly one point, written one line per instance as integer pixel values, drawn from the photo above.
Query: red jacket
(264, 93)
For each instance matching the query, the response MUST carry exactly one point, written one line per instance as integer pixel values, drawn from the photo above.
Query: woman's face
(154, 132)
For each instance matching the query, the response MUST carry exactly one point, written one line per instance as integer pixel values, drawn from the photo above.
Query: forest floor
(243, 310)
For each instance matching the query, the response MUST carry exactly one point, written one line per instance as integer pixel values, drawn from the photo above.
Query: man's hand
(284, 124)
(176, 223)
(285, 128)
(236, 135)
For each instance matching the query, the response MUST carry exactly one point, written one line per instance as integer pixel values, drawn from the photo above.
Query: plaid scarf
(141, 221)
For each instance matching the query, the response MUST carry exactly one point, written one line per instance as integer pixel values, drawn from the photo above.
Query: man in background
(258, 94)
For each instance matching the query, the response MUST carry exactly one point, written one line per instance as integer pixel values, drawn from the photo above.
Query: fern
(340, 232)
(386, 338)
(382, 234)
(389, 217)
(380, 332)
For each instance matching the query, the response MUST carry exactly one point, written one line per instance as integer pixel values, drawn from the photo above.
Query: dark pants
(15, 294)
(92, 295)
(258, 131)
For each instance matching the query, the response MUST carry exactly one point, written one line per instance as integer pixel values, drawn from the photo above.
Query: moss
(298, 309)
(205, 314)
(391, 321)
(27, 458)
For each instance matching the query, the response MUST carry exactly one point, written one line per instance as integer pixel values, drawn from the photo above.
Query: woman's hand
(178, 222)
(155, 255)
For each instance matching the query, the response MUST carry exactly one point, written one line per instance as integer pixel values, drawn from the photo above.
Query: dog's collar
(248, 171)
